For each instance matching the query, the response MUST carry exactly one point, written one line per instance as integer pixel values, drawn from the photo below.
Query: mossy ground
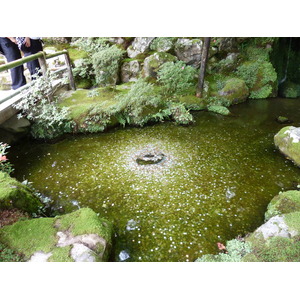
(27, 237)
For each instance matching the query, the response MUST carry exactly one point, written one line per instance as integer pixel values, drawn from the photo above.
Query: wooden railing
(42, 57)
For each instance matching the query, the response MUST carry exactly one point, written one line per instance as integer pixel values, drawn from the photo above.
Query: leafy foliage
(90, 44)
(39, 106)
(236, 250)
(8, 255)
(176, 78)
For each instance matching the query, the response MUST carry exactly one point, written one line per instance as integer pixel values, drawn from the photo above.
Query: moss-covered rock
(56, 238)
(283, 203)
(235, 90)
(287, 140)
(130, 70)
(154, 61)
(289, 89)
(189, 51)
(276, 241)
(219, 109)
(14, 194)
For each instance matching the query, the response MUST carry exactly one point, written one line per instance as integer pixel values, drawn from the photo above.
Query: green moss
(276, 249)
(283, 203)
(14, 194)
(61, 254)
(80, 104)
(30, 236)
(75, 54)
(192, 102)
(293, 220)
(85, 221)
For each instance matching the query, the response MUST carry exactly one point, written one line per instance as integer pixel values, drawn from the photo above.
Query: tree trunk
(204, 58)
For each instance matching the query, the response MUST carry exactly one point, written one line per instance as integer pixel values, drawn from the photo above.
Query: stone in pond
(150, 158)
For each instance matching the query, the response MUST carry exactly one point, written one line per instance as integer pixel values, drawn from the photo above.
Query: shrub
(137, 106)
(106, 65)
(176, 78)
(39, 106)
(259, 76)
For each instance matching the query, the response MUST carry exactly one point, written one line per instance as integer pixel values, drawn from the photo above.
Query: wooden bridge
(9, 98)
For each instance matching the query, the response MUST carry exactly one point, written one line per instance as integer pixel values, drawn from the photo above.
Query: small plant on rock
(5, 165)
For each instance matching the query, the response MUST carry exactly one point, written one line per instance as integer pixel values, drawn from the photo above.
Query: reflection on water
(214, 183)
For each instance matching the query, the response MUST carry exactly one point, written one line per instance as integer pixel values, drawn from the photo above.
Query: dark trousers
(11, 53)
(33, 66)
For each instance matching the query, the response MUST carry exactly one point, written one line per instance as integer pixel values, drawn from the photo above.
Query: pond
(213, 182)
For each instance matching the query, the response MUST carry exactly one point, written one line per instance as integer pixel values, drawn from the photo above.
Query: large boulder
(189, 51)
(14, 194)
(153, 62)
(140, 45)
(289, 89)
(287, 140)
(130, 71)
(80, 236)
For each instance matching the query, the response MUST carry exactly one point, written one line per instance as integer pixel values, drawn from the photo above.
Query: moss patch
(30, 236)
(283, 203)
(276, 249)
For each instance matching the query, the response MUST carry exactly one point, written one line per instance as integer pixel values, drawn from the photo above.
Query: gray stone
(90, 240)
(189, 51)
(276, 226)
(139, 45)
(130, 71)
(82, 253)
(40, 256)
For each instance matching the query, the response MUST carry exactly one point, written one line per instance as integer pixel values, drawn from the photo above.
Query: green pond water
(214, 183)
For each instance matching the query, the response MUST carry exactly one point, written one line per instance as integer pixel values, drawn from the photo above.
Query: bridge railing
(42, 57)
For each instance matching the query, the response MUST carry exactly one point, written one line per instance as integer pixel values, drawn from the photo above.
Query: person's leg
(34, 66)
(12, 52)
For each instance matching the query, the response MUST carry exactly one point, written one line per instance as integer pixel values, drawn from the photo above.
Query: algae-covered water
(214, 183)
